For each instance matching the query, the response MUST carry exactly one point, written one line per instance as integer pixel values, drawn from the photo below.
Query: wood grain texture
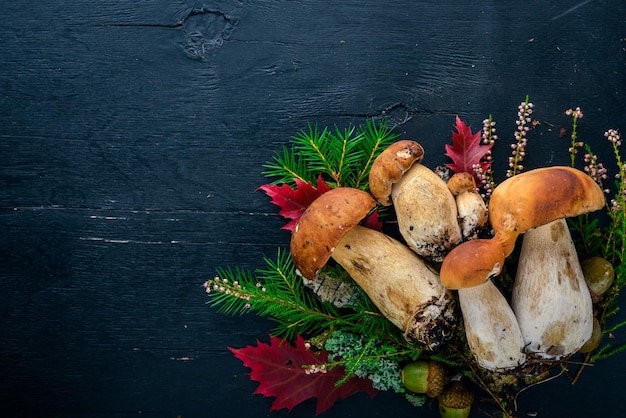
(132, 139)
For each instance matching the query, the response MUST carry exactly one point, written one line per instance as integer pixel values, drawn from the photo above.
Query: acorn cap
(455, 401)
(389, 167)
(538, 197)
(323, 224)
(461, 182)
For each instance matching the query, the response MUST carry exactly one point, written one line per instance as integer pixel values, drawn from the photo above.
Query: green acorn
(456, 401)
(428, 377)
(594, 341)
(599, 275)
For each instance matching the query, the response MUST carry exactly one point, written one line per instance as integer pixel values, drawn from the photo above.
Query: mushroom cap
(389, 167)
(323, 224)
(540, 196)
(461, 182)
(472, 263)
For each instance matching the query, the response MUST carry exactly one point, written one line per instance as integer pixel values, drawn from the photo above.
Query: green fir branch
(374, 139)
(286, 167)
(343, 157)
(314, 148)
(614, 327)
(607, 351)
(278, 292)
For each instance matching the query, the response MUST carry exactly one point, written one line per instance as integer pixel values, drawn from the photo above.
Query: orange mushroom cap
(389, 167)
(538, 197)
(472, 263)
(323, 224)
(461, 182)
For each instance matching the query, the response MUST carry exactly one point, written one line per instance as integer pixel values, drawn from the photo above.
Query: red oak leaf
(279, 370)
(466, 149)
(293, 202)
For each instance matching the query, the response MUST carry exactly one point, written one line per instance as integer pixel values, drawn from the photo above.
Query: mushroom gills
(400, 284)
(550, 297)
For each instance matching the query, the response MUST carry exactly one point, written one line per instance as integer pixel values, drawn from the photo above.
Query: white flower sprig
(525, 109)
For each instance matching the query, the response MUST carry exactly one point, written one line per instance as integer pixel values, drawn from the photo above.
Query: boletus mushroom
(550, 297)
(398, 282)
(471, 208)
(425, 208)
(491, 328)
(520, 203)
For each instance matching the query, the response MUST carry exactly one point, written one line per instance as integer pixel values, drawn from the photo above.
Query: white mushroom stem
(399, 283)
(550, 298)
(471, 207)
(491, 328)
(472, 213)
(426, 212)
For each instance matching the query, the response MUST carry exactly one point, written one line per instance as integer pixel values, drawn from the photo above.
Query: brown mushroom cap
(389, 167)
(472, 263)
(461, 182)
(323, 224)
(540, 196)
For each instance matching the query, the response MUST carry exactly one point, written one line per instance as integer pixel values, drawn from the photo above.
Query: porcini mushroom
(550, 297)
(522, 202)
(397, 281)
(425, 208)
(491, 328)
(471, 208)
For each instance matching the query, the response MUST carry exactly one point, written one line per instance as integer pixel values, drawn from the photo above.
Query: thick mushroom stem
(550, 297)
(425, 208)
(491, 328)
(471, 207)
(400, 284)
(426, 212)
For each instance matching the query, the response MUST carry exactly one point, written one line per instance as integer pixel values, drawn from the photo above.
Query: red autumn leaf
(279, 370)
(372, 221)
(466, 149)
(293, 202)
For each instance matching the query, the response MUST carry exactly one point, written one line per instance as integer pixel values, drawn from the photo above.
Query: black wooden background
(132, 138)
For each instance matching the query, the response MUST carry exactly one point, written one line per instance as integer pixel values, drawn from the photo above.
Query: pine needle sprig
(278, 293)
(288, 166)
(343, 157)
(374, 139)
(315, 147)
(275, 292)
(607, 351)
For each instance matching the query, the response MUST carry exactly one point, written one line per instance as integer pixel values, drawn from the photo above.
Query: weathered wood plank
(132, 138)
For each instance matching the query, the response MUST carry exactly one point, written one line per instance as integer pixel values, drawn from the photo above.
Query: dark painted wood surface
(132, 136)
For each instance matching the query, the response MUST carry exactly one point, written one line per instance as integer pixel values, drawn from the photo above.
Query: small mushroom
(397, 281)
(425, 208)
(471, 207)
(550, 297)
(491, 328)
(522, 202)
